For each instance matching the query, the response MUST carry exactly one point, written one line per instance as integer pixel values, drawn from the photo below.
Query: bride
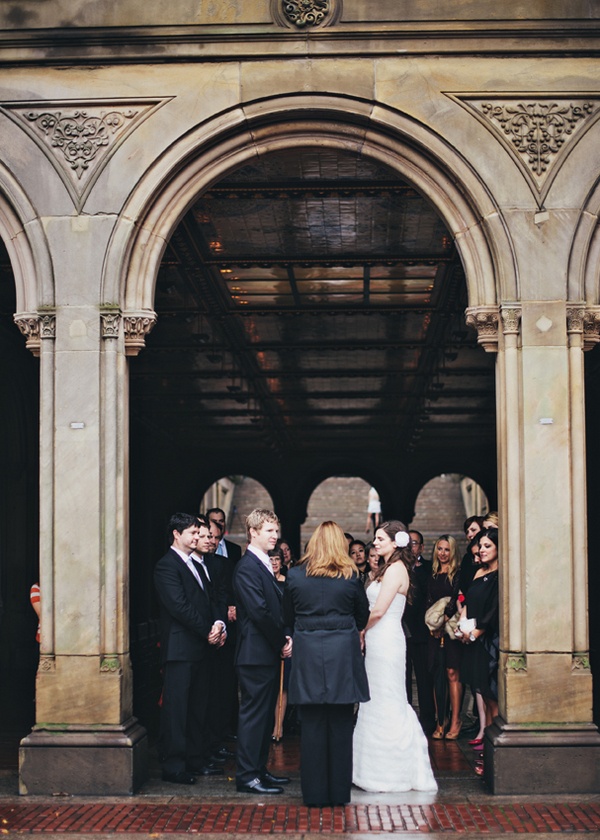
(390, 748)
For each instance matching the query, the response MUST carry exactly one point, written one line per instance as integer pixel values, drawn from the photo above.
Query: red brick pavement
(93, 818)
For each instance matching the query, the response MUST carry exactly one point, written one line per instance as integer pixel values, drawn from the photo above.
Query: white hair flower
(401, 539)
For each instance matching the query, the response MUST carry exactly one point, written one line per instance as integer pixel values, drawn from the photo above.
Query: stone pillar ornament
(304, 15)
(36, 326)
(137, 326)
(110, 322)
(484, 319)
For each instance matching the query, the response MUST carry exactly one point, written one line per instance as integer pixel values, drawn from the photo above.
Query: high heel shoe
(453, 734)
(438, 735)
(474, 741)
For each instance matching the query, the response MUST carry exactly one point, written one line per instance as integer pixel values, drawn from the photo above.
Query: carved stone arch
(584, 259)
(230, 139)
(25, 241)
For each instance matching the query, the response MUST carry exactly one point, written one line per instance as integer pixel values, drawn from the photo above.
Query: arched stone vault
(231, 139)
(25, 241)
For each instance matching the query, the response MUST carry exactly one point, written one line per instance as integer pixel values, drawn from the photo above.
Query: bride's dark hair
(401, 554)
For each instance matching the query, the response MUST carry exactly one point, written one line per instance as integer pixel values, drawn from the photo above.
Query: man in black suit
(261, 643)
(190, 624)
(225, 548)
(417, 637)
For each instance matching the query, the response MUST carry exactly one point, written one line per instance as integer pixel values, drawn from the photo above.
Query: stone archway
(416, 153)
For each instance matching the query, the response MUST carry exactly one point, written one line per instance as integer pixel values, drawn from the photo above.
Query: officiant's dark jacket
(326, 615)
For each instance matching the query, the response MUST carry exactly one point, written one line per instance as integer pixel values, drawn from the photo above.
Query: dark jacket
(260, 633)
(187, 612)
(326, 615)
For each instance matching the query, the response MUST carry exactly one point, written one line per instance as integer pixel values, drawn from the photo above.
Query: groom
(261, 643)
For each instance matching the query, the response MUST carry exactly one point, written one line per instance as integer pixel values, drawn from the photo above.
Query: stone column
(85, 740)
(543, 739)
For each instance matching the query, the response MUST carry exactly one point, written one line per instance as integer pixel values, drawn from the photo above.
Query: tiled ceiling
(313, 300)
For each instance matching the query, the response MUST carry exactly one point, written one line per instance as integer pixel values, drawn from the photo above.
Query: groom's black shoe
(269, 779)
(256, 786)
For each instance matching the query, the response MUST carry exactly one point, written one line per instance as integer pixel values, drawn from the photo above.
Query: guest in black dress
(326, 605)
(443, 582)
(481, 651)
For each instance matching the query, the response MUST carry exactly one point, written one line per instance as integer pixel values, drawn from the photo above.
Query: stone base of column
(541, 758)
(103, 761)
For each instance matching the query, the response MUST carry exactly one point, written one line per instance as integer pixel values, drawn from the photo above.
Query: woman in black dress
(481, 651)
(443, 582)
(326, 605)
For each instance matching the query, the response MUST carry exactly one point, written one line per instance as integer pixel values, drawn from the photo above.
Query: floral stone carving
(306, 12)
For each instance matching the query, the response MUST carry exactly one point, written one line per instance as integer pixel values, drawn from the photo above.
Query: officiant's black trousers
(326, 753)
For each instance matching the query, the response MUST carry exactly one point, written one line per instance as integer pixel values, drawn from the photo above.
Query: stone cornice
(144, 44)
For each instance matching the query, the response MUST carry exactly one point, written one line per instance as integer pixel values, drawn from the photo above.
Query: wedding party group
(325, 635)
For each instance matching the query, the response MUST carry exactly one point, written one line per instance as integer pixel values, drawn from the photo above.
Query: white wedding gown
(390, 748)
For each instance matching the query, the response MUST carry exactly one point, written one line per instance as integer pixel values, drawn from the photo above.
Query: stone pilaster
(545, 698)
(85, 739)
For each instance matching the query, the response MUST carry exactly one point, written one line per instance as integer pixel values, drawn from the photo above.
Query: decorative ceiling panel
(313, 299)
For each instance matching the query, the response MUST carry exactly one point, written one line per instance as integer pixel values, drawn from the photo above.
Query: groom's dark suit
(260, 638)
(187, 614)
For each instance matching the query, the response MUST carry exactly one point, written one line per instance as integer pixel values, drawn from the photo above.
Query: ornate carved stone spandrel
(538, 130)
(516, 662)
(110, 323)
(137, 326)
(47, 664)
(79, 137)
(511, 319)
(484, 319)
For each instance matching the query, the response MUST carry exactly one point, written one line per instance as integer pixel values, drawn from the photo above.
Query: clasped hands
(218, 634)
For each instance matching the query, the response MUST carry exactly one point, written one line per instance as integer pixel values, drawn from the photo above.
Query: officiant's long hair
(327, 553)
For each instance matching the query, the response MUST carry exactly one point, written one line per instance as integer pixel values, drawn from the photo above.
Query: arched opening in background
(310, 310)
(343, 499)
(237, 495)
(442, 506)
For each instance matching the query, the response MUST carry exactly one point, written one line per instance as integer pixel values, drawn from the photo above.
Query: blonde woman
(326, 605)
(444, 582)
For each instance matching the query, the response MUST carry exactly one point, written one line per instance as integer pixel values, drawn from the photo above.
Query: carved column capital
(511, 319)
(591, 327)
(137, 325)
(484, 319)
(36, 326)
(110, 321)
